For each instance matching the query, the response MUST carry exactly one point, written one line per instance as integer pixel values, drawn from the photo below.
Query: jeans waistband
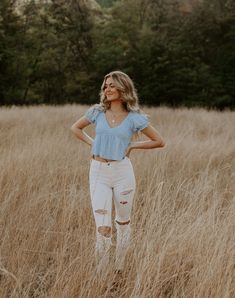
(101, 159)
(113, 162)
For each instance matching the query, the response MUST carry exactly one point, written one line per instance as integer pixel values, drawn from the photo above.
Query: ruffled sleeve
(140, 121)
(92, 114)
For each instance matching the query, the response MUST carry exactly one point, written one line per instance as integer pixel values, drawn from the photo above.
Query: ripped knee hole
(123, 222)
(105, 231)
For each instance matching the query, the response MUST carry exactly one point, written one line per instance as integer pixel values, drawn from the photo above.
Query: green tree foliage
(11, 64)
(57, 52)
(106, 3)
(174, 59)
(61, 58)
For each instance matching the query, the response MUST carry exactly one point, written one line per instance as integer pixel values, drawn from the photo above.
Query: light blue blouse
(112, 142)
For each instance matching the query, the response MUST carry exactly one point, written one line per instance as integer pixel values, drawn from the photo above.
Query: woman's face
(110, 90)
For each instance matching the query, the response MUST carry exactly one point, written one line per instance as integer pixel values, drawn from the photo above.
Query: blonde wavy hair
(125, 86)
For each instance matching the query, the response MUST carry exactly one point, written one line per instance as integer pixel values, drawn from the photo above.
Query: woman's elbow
(160, 144)
(74, 129)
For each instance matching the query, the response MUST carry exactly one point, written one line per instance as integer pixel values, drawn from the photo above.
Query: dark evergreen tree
(57, 52)
(11, 63)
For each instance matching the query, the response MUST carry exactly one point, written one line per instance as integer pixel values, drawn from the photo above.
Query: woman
(111, 175)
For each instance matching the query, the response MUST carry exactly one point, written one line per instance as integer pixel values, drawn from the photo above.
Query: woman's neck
(117, 106)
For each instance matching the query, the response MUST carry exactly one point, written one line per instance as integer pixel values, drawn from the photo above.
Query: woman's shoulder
(93, 112)
(139, 120)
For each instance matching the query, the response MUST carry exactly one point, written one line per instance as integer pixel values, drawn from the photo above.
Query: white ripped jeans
(112, 181)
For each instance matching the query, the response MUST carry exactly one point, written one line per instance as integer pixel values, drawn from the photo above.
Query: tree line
(56, 52)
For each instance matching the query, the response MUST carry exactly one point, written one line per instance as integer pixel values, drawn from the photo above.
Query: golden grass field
(183, 217)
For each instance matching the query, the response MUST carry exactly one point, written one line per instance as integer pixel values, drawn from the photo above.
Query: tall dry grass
(183, 240)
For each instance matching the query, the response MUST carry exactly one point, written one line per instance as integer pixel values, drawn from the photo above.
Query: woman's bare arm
(77, 129)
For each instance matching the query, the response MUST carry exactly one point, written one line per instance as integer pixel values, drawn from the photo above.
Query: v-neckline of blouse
(118, 124)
